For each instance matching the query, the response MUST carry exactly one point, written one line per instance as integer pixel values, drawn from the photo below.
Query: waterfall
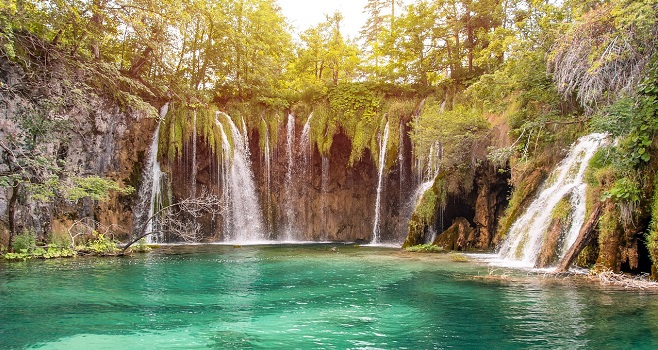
(524, 240)
(306, 141)
(324, 186)
(290, 142)
(243, 222)
(268, 172)
(150, 192)
(427, 174)
(194, 164)
(401, 158)
(382, 163)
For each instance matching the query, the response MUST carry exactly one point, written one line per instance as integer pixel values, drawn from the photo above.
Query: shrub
(59, 239)
(24, 241)
(141, 247)
(102, 245)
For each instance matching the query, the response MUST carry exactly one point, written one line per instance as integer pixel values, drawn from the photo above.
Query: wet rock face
(97, 138)
(492, 190)
(344, 210)
(318, 198)
(459, 236)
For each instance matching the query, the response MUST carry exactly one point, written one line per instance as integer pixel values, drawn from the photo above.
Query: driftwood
(584, 237)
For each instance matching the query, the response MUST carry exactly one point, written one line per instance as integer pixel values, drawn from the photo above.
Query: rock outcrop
(91, 135)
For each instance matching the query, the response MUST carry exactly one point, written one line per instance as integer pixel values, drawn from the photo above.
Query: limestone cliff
(85, 132)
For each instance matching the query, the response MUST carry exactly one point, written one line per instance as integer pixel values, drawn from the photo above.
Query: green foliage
(562, 209)
(353, 102)
(95, 188)
(623, 190)
(609, 232)
(426, 208)
(25, 241)
(425, 248)
(453, 134)
(606, 50)
(651, 237)
(178, 128)
(141, 247)
(102, 245)
(598, 165)
(354, 107)
(51, 252)
(16, 256)
(59, 239)
(25, 248)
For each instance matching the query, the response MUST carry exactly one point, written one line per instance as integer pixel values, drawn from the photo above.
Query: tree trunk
(96, 21)
(584, 237)
(139, 63)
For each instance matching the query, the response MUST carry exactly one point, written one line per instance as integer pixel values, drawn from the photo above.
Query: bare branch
(180, 218)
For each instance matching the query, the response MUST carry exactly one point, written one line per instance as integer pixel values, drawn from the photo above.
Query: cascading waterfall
(383, 142)
(524, 240)
(243, 222)
(290, 142)
(401, 158)
(150, 192)
(268, 173)
(427, 175)
(194, 164)
(306, 175)
(324, 187)
(305, 142)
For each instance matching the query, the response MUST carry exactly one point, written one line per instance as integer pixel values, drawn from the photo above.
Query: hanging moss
(652, 234)
(562, 209)
(359, 143)
(263, 132)
(177, 128)
(561, 217)
(173, 132)
(425, 213)
(520, 196)
(609, 238)
(322, 129)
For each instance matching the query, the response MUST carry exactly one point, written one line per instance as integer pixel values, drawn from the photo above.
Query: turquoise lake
(309, 297)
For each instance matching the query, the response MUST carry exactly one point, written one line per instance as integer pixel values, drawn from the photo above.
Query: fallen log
(584, 237)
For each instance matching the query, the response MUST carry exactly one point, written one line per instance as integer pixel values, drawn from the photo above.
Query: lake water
(308, 297)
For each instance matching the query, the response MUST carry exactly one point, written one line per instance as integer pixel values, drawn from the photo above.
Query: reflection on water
(308, 297)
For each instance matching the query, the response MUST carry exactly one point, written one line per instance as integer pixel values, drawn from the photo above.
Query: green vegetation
(425, 248)
(24, 247)
(479, 66)
(458, 257)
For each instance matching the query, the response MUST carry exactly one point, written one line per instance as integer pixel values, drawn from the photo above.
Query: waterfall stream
(305, 142)
(383, 142)
(324, 189)
(525, 238)
(290, 143)
(268, 181)
(150, 192)
(243, 222)
(194, 161)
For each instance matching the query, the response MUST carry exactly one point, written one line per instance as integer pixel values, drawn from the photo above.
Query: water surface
(224, 297)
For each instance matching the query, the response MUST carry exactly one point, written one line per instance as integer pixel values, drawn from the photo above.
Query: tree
(325, 55)
(606, 51)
